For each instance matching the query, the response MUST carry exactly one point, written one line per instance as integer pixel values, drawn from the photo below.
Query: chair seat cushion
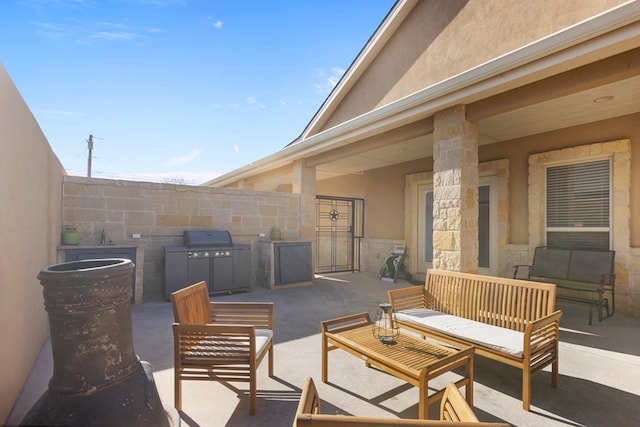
(228, 349)
(500, 339)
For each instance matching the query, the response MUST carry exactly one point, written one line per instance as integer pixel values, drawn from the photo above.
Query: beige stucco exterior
(30, 190)
(441, 39)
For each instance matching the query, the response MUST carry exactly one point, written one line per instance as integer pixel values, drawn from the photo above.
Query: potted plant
(70, 236)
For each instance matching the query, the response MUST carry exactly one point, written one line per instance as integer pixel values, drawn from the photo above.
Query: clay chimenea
(97, 378)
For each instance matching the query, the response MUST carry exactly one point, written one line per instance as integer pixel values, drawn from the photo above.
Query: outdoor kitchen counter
(284, 262)
(68, 253)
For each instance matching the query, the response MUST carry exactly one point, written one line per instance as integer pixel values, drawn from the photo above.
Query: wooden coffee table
(411, 359)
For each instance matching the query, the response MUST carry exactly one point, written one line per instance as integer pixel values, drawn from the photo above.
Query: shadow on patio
(599, 367)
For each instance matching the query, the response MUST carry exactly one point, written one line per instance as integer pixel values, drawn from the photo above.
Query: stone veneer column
(455, 191)
(304, 182)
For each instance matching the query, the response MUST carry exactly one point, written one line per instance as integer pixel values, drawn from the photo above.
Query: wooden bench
(454, 412)
(507, 320)
(581, 272)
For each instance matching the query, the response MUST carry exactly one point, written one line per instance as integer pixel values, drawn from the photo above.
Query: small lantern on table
(384, 329)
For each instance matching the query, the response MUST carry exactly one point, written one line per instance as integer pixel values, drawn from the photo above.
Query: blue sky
(178, 89)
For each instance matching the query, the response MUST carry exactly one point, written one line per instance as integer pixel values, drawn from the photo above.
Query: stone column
(304, 182)
(455, 191)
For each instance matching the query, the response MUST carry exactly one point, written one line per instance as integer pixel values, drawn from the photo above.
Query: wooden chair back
(309, 399)
(454, 407)
(454, 411)
(191, 305)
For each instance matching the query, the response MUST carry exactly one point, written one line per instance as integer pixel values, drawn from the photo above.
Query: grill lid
(207, 238)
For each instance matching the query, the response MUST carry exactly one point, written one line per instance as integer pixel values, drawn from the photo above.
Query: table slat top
(408, 351)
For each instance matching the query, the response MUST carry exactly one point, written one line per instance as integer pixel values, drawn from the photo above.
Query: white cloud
(82, 31)
(215, 23)
(110, 35)
(328, 80)
(176, 177)
(184, 159)
(251, 100)
(236, 148)
(58, 113)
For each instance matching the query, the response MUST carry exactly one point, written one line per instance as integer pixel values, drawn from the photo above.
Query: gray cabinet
(284, 262)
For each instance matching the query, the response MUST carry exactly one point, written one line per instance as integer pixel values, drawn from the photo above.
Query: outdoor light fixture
(384, 328)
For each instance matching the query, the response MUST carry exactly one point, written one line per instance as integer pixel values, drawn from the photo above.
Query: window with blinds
(579, 205)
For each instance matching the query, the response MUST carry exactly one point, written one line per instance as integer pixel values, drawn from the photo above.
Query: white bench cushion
(500, 339)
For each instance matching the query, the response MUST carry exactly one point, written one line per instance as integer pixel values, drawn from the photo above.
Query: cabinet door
(175, 272)
(198, 271)
(292, 262)
(242, 267)
(222, 274)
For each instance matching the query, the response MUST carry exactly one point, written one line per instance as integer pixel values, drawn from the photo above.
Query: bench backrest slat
(499, 301)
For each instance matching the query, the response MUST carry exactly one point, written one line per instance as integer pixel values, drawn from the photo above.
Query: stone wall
(160, 213)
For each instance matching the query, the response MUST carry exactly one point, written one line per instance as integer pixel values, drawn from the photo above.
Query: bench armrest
(516, 269)
(407, 298)
(541, 333)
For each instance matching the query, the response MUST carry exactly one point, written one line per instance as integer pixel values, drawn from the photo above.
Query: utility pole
(90, 145)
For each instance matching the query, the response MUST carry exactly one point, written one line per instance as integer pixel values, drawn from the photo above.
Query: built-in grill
(210, 256)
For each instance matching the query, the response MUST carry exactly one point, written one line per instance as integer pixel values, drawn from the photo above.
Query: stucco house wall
(440, 39)
(30, 190)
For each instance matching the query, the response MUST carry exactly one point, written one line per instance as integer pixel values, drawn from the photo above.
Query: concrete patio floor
(598, 386)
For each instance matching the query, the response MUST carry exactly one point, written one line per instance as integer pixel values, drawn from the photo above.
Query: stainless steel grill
(210, 256)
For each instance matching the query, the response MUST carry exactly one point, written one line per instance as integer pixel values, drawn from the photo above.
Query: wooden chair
(454, 412)
(219, 341)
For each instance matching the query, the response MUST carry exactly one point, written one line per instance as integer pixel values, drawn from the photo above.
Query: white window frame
(577, 228)
(620, 152)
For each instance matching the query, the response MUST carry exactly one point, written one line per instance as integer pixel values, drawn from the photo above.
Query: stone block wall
(160, 213)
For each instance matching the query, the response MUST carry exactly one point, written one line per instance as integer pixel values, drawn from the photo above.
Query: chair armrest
(214, 341)
(406, 298)
(258, 314)
(517, 268)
